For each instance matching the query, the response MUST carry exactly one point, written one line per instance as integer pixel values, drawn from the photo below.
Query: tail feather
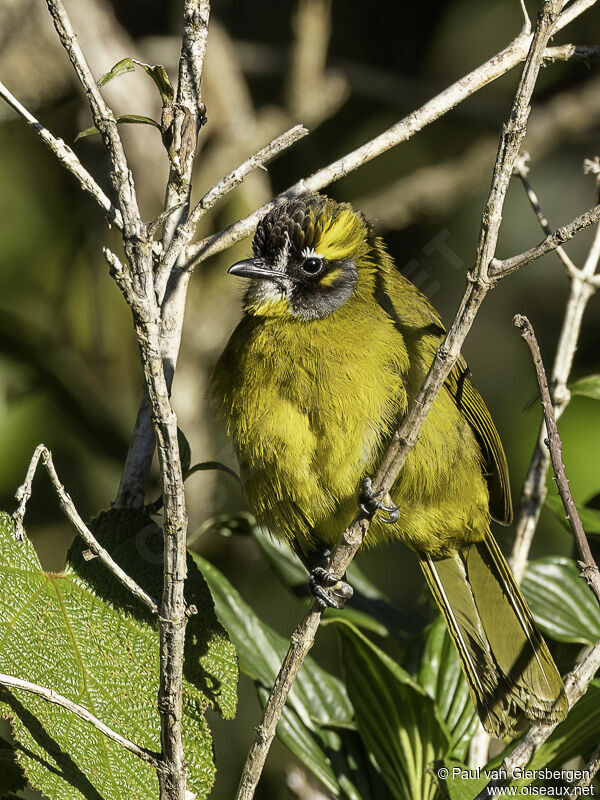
(510, 672)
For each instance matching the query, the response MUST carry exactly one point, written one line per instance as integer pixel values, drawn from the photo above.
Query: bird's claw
(370, 504)
(328, 591)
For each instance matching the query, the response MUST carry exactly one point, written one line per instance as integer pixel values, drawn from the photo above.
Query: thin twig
(24, 493)
(403, 130)
(498, 268)
(120, 175)
(185, 231)
(576, 685)
(149, 756)
(522, 171)
(589, 772)
(534, 488)
(406, 437)
(67, 157)
(587, 564)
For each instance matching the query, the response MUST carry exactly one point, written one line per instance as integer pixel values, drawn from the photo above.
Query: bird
(332, 347)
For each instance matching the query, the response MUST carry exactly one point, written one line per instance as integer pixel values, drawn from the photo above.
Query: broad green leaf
(318, 714)
(590, 517)
(441, 676)
(120, 68)
(459, 782)
(132, 119)
(561, 601)
(587, 387)
(318, 697)
(81, 633)
(397, 720)
(369, 608)
(577, 734)
(294, 734)
(12, 777)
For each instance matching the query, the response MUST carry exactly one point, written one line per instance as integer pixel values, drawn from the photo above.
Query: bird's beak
(254, 268)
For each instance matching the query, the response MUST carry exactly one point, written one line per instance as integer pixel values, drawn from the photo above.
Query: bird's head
(311, 255)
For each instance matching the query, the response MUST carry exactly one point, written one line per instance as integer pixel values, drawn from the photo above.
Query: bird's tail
(510, 672)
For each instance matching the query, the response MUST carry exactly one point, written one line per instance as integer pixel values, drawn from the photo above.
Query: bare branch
(522, 171)
(407, 435)
(534, 488)
(67, 157)
(576, 684)
(498, 269)
(24, 493)
(120, 175)
(185, 231)
(589, 773)
(149, 756)
(403, 130)
(526, 21)
(588, 566)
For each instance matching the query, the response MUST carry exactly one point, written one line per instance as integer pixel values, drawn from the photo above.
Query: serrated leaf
(561, 601)
(397, 720)
(590, 517)
(441, 676)
(12, 777)
(82, 634)
(120, 68)
(132, 119)
(587, 387)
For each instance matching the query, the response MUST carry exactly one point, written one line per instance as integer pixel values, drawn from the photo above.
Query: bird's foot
(369, 503)
(328, 591)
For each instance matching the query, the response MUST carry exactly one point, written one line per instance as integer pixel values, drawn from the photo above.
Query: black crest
(291, 221)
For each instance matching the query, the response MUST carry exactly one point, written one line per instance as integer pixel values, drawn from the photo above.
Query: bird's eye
(312, 265)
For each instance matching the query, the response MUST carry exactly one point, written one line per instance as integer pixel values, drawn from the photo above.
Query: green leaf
(81, 633)
(156, 71)
(587, 387)
(204, 466)
(577, 734)
(561, 601)
(299, 740)
(590, 517)
(161, 79)
(133, 119)
(397, 720)
(318, 713)
(120, 68)
(460, 783)
(318, 697)
(441, 676)
(12, 777)
(185, 451)
(369, 608)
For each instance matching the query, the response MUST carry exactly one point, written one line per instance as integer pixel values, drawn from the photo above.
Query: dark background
(68, 366)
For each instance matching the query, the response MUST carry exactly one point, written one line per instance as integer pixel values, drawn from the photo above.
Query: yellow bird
(333, 345)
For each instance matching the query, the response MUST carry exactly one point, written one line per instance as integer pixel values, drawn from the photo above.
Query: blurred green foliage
(68, 366)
